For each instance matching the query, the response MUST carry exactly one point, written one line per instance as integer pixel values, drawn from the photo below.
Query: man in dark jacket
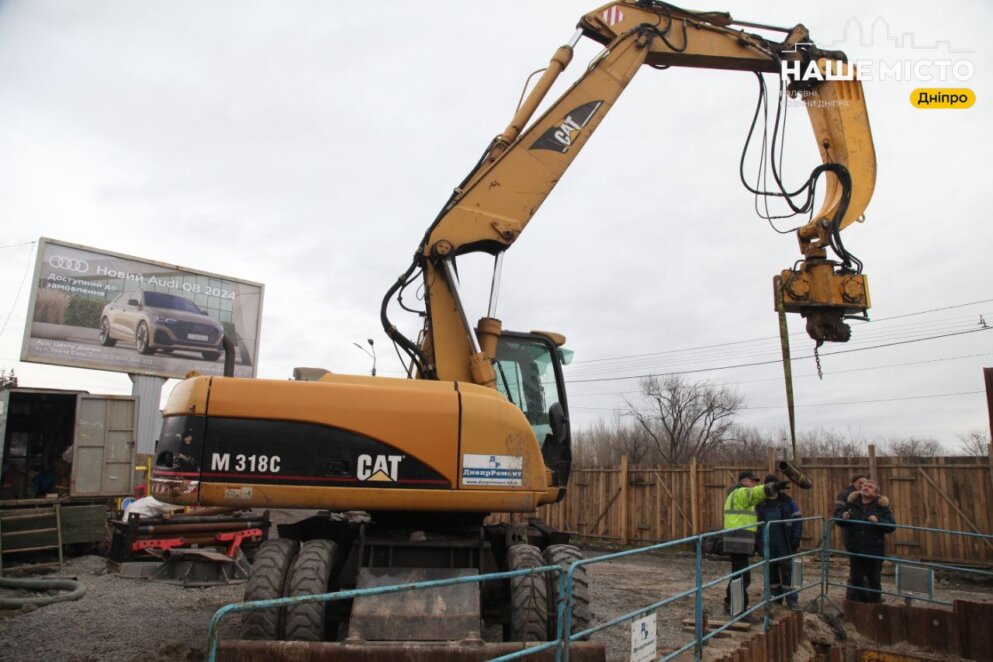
(841, 501)
(866, 519)
(784, 540)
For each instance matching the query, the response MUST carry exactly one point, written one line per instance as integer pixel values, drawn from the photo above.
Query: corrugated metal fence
(635, 505)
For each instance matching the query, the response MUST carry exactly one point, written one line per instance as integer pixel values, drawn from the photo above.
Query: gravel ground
(135, 619)
(118, 619)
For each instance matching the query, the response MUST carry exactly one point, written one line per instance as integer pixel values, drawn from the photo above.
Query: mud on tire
(528, 596)
(266, 581)
(563, 556)
(311, 575)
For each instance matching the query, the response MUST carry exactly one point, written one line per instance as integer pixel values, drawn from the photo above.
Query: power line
(866, 402)
(776, 338)
(25, 243)
(831, 404)
(771, 350)
(811, 374)
(773, 361)
(27, 267)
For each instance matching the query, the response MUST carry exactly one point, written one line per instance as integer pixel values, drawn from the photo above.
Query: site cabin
(64, 456)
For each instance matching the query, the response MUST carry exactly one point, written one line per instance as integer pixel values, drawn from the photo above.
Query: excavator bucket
(446, 613)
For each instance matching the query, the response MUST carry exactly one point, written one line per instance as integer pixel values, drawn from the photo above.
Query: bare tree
(820, 442)
(913, 447)
(745, 446)
(7, 380)
(975, 443)
(684, 419)
(603, 444)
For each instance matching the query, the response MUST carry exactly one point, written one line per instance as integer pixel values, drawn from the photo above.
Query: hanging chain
(817, 359)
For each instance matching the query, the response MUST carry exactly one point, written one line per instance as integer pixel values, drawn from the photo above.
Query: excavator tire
(563, 556)
(311, 575)
(528, 596)
(266, 581)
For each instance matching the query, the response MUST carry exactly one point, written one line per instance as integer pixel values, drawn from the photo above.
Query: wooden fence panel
(953, 493)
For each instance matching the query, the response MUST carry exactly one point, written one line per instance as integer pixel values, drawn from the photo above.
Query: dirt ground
(623, 585)
(135, 619)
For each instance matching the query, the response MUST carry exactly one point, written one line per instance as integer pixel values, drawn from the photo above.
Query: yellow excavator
(482, 425)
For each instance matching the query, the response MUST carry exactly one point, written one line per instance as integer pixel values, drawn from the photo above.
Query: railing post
(698, 602)
(765, 572)
(624, 500)
(694, 499)
(564, 615)
(825, 558)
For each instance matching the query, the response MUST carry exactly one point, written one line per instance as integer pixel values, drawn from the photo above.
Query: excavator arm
(521, 166)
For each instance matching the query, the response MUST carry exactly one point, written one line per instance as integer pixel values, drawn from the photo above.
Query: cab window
(525, 373)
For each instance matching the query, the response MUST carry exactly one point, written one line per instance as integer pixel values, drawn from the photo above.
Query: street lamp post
(371, 354)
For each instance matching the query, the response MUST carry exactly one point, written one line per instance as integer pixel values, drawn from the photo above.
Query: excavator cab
(528, 369)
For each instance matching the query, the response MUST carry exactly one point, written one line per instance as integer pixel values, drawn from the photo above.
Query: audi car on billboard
(91, 308)
(160, 321)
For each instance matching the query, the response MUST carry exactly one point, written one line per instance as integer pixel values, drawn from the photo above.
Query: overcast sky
(307, 146)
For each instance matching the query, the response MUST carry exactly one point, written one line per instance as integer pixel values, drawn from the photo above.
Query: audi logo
(73, 264)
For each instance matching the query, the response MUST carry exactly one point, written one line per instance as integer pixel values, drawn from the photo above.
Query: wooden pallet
(34, 528)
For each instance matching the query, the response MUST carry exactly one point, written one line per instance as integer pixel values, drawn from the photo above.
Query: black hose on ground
(75, 589)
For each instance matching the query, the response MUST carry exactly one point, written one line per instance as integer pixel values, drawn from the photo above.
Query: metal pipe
(228, 356)
(495, 284)
(698, 599)
(193, 528)
(766, 592)
(784, 341)
(453, 285)
(793, 472)
(151, 521)
(762, 26)
(203, 512)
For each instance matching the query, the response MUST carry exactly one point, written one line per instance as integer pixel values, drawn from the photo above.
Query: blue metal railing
(565, 581)
(213, 630)
(828, 550)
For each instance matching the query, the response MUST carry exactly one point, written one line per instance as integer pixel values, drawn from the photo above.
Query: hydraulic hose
(75, 589)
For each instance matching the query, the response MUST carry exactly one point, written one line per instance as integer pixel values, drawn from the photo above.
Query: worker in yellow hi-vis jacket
(739, 511)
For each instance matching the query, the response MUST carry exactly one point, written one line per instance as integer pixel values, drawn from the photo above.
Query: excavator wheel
(563, 556)
(528, 596)
(311, 575)
(266, 581)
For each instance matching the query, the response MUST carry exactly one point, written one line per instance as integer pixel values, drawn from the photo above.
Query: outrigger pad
(202, 567)
(447, 613)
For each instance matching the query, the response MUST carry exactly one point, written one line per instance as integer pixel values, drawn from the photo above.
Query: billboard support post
(148, 390)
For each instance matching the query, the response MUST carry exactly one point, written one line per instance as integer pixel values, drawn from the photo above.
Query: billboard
(91, 308)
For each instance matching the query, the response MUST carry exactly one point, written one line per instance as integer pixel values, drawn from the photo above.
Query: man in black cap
(784, 541)
(739, 511)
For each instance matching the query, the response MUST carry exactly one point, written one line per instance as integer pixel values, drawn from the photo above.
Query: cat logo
(378, 468)
(561, 136)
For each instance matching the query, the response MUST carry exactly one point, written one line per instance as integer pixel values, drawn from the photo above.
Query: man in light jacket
(739, 511)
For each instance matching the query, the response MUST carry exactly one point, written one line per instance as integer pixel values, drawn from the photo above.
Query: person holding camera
(739, 511)
(866, 520)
